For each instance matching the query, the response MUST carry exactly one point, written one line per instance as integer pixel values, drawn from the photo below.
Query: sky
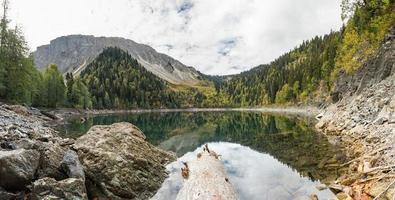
(216, 37)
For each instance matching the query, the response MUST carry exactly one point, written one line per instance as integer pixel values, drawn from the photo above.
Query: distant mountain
(73, 53)
(116, 80)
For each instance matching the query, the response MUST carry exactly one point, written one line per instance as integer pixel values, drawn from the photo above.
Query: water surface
(266, 156)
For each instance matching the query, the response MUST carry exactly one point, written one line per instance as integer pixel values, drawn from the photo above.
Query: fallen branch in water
(205, 178)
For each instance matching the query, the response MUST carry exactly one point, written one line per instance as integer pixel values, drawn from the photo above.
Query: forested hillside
(291, 77)
(306, 74)
(116, 80)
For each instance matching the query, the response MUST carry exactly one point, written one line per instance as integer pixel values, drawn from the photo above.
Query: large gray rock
(120, 164)
(49, 188)
(17, 168)
(71, 165)
(73, 53)
(51, 158)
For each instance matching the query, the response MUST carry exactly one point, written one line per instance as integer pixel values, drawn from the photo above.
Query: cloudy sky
(214, 36)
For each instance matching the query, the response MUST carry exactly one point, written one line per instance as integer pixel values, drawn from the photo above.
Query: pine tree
(54, 86)
(69, 85)
(3, 48)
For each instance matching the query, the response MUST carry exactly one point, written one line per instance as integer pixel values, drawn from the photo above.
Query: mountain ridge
(72, 53)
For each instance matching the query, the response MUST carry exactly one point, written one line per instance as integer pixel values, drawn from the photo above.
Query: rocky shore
(363, 121)
(109, 162)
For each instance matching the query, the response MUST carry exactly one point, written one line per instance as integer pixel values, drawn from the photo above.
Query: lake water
(266, 156)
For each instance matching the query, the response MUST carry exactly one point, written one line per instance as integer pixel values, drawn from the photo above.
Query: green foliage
(80, 95)
(3, 48)
(69, 90)
(54, 87)
(285, 94)
(364, 32)
(116, 80)
(309, 70)
(292, 76)
(19, 80)
(77, 93)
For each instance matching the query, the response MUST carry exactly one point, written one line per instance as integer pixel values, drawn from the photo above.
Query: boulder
(17, 168)
(119, 163)
(19, 109)
(4, 195)
(49, 188)
(50, 161)
(71, 165)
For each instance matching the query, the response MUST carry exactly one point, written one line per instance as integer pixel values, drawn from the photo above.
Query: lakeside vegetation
(308, 72)
(114, 80)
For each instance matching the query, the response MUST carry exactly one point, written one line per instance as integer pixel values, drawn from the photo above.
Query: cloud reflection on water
(255, 176)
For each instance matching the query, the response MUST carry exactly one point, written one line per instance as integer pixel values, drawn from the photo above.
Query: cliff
(73, 53)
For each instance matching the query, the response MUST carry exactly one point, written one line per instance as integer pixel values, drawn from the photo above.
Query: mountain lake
(267, 156)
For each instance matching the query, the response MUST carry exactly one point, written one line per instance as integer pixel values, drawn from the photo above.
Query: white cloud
(214, 36)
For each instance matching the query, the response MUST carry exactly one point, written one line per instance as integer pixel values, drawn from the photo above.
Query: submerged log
(205, 179)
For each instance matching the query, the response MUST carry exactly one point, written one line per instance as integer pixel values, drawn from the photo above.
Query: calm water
(266, 156)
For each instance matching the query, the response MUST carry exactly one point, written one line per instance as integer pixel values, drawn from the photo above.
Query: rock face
(72, 166)
(120, 164)
(364, 120)
(17, 168)
(49, 188)
(73, 53)
(369, 74)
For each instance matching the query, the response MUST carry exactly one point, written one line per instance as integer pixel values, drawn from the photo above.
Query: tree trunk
(205, 179)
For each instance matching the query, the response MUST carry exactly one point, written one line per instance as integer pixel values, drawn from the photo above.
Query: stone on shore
(17, 168)
(119, 163)
(51, 158)
(71, 165)
(49, 188)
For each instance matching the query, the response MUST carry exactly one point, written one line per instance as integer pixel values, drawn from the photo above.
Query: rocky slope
(116, 161)
(363, 120)
(73, 53)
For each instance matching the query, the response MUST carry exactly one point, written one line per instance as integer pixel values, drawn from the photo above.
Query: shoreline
(345, 181)
(310, 111)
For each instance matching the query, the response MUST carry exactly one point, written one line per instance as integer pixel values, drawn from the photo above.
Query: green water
(289, 140)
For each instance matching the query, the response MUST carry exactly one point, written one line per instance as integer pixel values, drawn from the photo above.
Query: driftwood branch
(379, 168)
(361, 157)
(385, 190)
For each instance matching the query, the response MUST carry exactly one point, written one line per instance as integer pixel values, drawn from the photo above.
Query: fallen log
(205, 179)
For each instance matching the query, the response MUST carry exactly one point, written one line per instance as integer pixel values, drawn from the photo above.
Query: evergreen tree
(69, 86)
(116, 80)
(3, 48)
(80, 95)
(18, 77)
(54, 87)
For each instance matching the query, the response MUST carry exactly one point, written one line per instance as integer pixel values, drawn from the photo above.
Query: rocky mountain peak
(74, 52)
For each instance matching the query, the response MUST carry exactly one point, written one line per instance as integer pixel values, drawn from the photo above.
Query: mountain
(73, 53)
(116, 80)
